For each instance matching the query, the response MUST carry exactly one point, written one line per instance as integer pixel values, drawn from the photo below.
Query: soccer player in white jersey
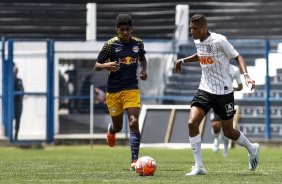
(215, 90)
(234, 73)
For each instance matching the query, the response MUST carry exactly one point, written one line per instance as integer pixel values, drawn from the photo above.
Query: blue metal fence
(8, 91)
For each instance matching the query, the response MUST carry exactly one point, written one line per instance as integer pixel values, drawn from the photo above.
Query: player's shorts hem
(132, 107)
(229, 117)
(197, 104)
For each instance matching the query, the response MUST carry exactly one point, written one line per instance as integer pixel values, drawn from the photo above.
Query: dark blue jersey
(127, 55)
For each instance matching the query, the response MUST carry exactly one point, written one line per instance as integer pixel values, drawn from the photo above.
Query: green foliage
(101, 164)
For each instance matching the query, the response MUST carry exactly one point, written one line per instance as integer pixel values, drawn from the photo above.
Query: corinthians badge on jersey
(135, 49)
(209, 48)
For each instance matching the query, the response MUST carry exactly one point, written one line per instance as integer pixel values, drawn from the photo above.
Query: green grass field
(101, 164)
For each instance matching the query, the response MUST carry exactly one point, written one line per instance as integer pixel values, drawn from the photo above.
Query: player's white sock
(196, 148)
(225, 141)
(242, 140)
(225, 146)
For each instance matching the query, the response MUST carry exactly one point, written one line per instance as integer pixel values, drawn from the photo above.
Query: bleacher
(236, 20)
(152, 19)
(42, 20)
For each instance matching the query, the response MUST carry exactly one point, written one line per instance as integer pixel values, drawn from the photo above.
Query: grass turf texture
(101, 164)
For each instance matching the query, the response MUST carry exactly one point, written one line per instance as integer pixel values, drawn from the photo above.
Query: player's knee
(216, 125)
(192, 125)
(133, 125)
(133, 121)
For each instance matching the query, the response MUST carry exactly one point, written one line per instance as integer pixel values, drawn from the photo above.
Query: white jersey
(234, 73)
(214, 54)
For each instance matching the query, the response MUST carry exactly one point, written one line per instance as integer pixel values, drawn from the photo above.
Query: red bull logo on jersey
(128, 60)
(135, 49)
(206, 60)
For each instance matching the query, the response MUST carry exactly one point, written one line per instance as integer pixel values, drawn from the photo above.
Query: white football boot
(254, 158)
(196, 170)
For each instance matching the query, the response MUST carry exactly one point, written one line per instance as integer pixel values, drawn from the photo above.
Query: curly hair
(123, 19)
(199, 18)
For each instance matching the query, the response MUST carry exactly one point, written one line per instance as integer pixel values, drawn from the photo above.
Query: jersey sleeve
(228, 49)
(142, 52)
(105, 53)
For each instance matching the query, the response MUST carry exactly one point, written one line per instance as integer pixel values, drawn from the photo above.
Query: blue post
(50, 90)
(4, 85)
(267, 86)
(10, 90)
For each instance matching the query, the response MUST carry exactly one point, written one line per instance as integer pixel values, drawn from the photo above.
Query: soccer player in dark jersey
(215, 90)
(120, 56)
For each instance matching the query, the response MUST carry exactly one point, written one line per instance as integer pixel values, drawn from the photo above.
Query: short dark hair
(123, 19)
(199, 18)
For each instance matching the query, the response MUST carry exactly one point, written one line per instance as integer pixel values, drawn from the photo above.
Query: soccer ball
(145, 166)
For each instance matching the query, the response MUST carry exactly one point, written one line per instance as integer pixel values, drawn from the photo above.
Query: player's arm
(111, 66)
(143, 66)
(241, 62)
(238, 88)
(103, 58)
(192, 58)
(237, 77)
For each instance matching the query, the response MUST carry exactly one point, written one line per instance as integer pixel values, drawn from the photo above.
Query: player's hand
(143, 75)
(250, 83)
(112, 66)
(177, 67)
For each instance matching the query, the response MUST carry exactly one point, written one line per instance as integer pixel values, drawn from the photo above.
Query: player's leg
(116, 111)
(225, 142)
(195, 118)
(200, 107)
(131, 99)
(113, 128)
(239, 138)
(225, 107)
(133, 115)
(216, 127)
(218, 137)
